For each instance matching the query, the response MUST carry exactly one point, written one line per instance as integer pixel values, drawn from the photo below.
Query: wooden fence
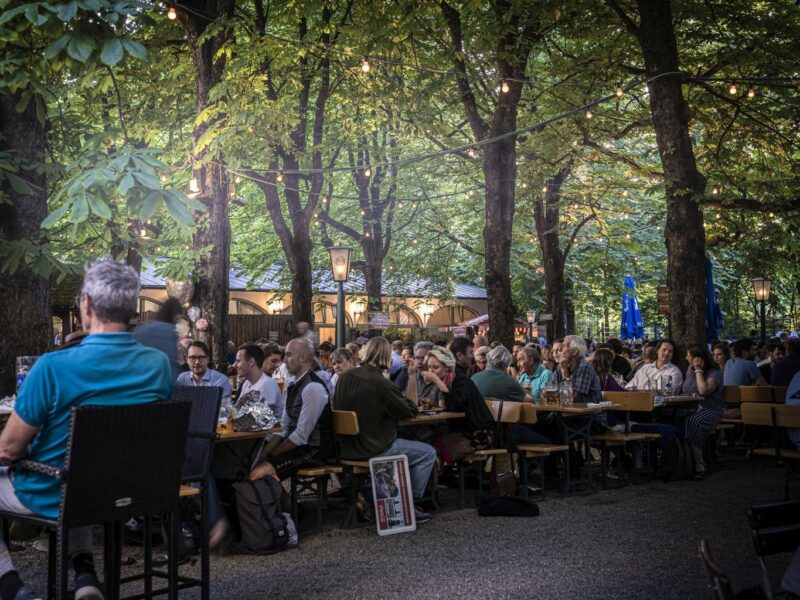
(248, 328)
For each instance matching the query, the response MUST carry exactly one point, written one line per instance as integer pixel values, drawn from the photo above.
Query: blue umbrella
(714, 320)
(631, 326)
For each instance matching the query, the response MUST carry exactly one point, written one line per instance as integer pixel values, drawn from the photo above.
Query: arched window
(449, 315)
(404, 316)
(238, 306)
(324, 314)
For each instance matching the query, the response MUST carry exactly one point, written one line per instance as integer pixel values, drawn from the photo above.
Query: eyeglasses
(200, 358)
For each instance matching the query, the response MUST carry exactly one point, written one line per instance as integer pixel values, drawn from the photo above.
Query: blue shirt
(739, 371)
(209, 378)
(538, 381)
(109, 369)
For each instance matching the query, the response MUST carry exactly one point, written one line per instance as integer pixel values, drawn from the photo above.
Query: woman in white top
(660, 375)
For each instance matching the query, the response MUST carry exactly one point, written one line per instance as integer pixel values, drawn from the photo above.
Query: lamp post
(531, 314)
(276, 306)
(340, 267)
(761, 287)
(427, 310)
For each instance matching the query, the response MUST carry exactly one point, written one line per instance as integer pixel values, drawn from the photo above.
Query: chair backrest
(787, 415)
(757, 413)
(755, 393)
(205, 401)
(123, 461)
(504, 411)
(779, 393)
(776, 540)
(774, 514)
(345, 422)
(631, 401)
(731, 394)
(527, 414)
(718, 581)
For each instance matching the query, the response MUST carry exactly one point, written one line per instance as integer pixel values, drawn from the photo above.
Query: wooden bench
(778, 417)
(629, 401)
(313, 479)
(537, 452)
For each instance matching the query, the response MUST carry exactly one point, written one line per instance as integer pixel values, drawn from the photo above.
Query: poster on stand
(391, 493)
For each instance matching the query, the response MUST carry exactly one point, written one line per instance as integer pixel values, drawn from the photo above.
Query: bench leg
(523, 473)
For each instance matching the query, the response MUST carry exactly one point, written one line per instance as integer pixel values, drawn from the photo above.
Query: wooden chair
(536, 452)
(474, 463)
(718, 582)
(779, 417)
(313, 479)
(755, 393)
(345, 423)
(732, 397)
(629, 402)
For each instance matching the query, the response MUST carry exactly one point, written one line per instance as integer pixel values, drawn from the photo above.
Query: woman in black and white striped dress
(704, 378)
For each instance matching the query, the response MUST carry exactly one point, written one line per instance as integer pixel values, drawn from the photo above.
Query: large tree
(206, 34)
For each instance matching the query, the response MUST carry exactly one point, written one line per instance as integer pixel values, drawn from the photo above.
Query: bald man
(306, 438)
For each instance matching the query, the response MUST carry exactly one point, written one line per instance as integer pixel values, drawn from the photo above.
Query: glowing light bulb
(589, 114)
(715, 190)
(365, 67)
(367, 172)
(524, 185)
(732, 90)
(504, 87)
(366, 233)
(625, 193)
(751, 93)
(172, 14)
(362, 212)
(471, 153)
(544, 189)
(237, 179)
(279, 178)
(619, 92)
(163, 178)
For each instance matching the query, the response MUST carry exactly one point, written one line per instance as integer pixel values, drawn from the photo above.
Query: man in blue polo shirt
(741, 369)
(108, 368)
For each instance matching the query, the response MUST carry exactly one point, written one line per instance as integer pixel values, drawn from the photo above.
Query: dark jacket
(464, 396)
(379, 406)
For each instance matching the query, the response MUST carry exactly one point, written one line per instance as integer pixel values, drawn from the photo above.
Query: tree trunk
(500, 174)
(373, 280)
(25, 306)
(546, 214)
(214, 230)
(683, 232)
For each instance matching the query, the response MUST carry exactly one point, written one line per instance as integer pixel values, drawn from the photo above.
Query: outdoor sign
(391, 493)
(273, 336)
(459, 331)
(378, 320)
(662, 292)
(546, 317)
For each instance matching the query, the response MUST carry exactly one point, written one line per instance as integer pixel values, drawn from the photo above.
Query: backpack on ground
(264, 527)
(677, 463)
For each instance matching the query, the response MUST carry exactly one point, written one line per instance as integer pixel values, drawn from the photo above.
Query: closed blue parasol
(714, 320)
(631, 325)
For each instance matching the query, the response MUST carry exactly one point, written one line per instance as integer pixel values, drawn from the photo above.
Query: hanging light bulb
(237, 179)
(194, 185)
(524, 185)
(732, 90)
(624, 193)
(362, 212)
(471, 153)
(715, 190)
(470, 193)
(365, 67)
(619, 91)
(544, 189)
(504, 87)
(172, 14)
(163, 178)
(751, 93)
(367, 172)
(279, 178)
(589, 114)
(399, 205)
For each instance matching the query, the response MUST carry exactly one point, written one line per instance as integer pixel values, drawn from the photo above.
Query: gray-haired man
(108, 367)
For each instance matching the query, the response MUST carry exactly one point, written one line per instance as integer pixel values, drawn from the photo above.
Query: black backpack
(263, 526)
(677, 463)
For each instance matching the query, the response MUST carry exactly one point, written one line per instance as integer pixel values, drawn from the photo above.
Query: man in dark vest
(307, 436)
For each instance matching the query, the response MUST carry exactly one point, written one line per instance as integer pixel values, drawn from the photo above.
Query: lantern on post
(761, 288)
(340, 268)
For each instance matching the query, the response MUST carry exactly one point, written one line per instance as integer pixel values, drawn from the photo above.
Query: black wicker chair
(205, 404)
(121, 462)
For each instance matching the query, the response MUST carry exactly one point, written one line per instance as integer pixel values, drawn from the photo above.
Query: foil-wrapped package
(252, 414)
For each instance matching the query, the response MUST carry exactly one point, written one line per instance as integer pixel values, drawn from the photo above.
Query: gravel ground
(639, 541)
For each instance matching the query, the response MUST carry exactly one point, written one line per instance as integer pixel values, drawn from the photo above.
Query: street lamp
(427, 310)
(761, 288)
(531, 314)
(340, 267)
(358, 309)
(276, 306)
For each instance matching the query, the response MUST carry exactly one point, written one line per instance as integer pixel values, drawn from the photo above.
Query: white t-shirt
(650, 377)
(265, 390)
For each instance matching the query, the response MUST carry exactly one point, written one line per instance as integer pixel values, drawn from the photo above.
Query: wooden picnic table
(225, 436)
(231, 439)
(681, 399)
(578, 408)
(439, 416)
